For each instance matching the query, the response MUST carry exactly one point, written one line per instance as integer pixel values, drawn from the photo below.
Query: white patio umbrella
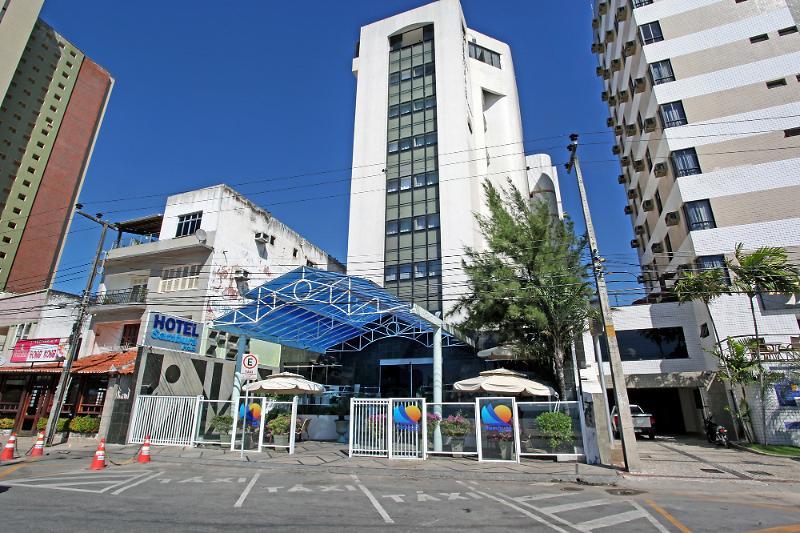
(505, 382)
(498, 353)
(285, 383)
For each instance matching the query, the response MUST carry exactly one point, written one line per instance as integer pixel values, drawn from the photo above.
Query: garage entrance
(677, 410)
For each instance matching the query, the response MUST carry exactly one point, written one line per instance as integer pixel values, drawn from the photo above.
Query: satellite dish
(201, 235)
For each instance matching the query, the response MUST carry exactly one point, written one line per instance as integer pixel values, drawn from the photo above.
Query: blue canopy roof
(321, 311)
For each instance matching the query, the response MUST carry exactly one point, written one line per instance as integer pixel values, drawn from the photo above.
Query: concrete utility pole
(629, 449)
(77, 326)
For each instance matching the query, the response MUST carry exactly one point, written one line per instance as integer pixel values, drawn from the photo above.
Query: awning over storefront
(321, 311)
(103, 363)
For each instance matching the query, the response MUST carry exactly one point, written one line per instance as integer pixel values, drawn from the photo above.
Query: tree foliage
(529, 286)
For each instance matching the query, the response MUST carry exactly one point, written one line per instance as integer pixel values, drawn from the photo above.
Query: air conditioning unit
(612, 100)
(599, 71)
(648, 205)
(672, 218)
(610, 36)
(618, 130)
(631, 194)
(623, 96)
(629, 49)
(657, 248)
(630, 130)
(262, 238)
(595, 23)
(616, 150)
(622, 13)
(616, 64)
(660, 170)
(638, 165)
(639, 85)
(606, 74)
(621, 179)
(625, 160)
(598, 48)
(628, 210)
(640, 279)
(604, 96)
(610, 122)
(634, 243)
(649, 124)
(241, 274)
(602, 8)
(638, 229)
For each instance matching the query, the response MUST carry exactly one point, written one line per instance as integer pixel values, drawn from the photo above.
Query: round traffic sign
(249, 361)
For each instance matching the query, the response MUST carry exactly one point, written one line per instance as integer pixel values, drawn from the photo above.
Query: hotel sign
(39, 350)
(173, 333)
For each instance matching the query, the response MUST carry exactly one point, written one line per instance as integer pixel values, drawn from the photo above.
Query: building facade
(437, 113)
(53, 100)
(703, 98)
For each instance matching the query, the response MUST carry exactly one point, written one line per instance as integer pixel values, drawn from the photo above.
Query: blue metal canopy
(321, 311)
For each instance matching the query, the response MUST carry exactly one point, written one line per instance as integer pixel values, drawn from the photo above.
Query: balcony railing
(133, 295)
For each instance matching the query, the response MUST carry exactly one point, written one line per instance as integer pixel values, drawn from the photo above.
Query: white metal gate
(407, 428)
(368, 427)
(167, 420)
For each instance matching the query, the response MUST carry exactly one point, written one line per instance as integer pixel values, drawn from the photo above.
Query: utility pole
(77, 327)
(625, 423)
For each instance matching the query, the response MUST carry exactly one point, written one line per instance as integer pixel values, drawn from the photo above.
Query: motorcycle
(716, 433)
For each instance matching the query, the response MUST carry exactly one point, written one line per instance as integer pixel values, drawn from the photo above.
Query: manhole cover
(572, 489)
(712, 470)
(625, 492)
(759, 473)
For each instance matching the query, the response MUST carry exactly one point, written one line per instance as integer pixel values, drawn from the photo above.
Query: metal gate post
(350, 436)
(389, 435)
(132, 420)
(478, 436)
(198, 403)
(261, 425)
(517, 443)
(235, 406)
(424, 423)
(293, 427)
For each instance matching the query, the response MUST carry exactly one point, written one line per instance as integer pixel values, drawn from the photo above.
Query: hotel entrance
(406, 378)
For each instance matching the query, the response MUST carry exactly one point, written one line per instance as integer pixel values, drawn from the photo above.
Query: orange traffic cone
(144, 453)
(99, 461)
(8, 451)
(38, 448)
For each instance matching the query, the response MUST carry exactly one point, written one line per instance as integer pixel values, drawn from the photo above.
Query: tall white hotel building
(437, 112)
(704, 100)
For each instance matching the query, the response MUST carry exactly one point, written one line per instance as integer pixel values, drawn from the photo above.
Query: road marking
(612, 520)
(574, 506)
(537, 497)
(11, 469)
(247, 490)
(375, 503)
(791, 528)
(649, 517)
(139, 482)
(519, 509)
(671, 519)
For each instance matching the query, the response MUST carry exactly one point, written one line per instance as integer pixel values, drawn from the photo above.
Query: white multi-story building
(704, 99)
(196, 261)
(437, 113)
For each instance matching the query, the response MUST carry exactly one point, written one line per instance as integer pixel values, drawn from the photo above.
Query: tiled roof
(102, 363)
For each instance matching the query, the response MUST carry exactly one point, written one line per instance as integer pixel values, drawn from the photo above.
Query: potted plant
(456, 427)
(222, 424)
(6, 425)
(86, 426)
(279, 428)
(556, 427)
(505, 441)
(432, 422)
(342, 425)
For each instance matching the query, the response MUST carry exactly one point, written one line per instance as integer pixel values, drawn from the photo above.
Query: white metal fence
(167, 420)
(537, 435)
(451, 428)
(368, 427)
(406, 426)
(210, 429)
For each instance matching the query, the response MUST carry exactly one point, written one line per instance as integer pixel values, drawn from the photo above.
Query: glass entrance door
(406, 378)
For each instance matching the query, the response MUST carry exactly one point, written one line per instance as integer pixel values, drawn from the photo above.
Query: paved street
(189, 495)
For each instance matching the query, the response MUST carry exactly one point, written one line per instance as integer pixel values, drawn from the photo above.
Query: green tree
(530, 285)
(765, 270)
(706, 286)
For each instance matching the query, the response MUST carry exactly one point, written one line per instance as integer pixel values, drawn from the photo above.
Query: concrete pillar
(437, 386)
(112, 393)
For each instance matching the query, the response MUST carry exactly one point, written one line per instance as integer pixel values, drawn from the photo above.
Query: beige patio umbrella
(285, 383)
(498, 353)
(505, 382)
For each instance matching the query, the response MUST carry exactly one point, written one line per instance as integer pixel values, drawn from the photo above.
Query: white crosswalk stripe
(574, 506)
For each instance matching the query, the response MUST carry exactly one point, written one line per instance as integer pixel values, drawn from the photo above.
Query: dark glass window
(188, 224)
(130, 335)
(484, 55)
(661, 72)
(710, 262)
(651, 32)
(685, 162)
(650, 344)
(673, 114)
(699, 215)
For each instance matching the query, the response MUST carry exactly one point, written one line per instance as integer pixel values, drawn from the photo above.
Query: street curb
(759, 452)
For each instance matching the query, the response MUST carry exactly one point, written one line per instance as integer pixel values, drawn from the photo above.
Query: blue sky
(261, 92)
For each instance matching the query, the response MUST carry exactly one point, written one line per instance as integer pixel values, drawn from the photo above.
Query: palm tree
(706, 286)
(765, 270)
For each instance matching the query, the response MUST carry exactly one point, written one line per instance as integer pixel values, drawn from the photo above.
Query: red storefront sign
(39, 351)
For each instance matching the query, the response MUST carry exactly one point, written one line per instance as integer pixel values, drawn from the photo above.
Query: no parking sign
(249, 367)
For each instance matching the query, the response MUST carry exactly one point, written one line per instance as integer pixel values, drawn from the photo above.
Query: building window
(685, 162)
(659, 204)
(673, 114)
(405, 272)
(640, 3)
(759, 38)
(179, 278)
(699, 215)
(710, 262)
(668, 244)
(130, 335)
(776, 83)
(391, 227)
(661, 72)
(390, 274)
(22, 332)
(651, 32)
(650, 344)
(189, 223)
(787, 31)
(649, 160)
(484, 55)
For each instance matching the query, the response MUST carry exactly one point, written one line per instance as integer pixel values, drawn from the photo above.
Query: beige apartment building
(704, 100)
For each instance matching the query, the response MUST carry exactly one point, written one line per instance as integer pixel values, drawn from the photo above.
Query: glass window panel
(699, 215)
(419, 223)
(394, 66)
(430, 164)
(432, 177)
(419, 104)
(405, 271)
(419, 116)
(434, 268)
(405, 183)
(394, 78)
(433, 236)
(405, 144)
(405, 169)
(419, 198)
(405, 254)
(420, 270)
(419, 140)
(391, 227)
(390, 273)
(419, 92)
(391, 186)
(405, 62)
(391, 201)
(405, 198)
(393, 134)
(391, 172)
(394, 55)
(405, 75)
(433, 251)
(405, 120)
(406, 131)
(405, 109)
(394, 99)
(418, 128)
(391, 256)
(405, 242)
(427, 56)
(391, 243)
(393, 147)
(433, 220)
(394, 111)
(405, 211)
(430, 138)
(406, 96)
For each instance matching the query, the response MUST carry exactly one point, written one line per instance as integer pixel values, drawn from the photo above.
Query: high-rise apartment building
(437, 113)
(53, 100)
(704, 99)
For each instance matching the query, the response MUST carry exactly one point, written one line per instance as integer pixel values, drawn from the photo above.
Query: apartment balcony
(133, 296)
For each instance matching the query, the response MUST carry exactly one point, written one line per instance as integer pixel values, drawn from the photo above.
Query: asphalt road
(63, 495)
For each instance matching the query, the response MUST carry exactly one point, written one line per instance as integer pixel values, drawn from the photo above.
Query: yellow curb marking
(792, 528)
(11, 469)
(672, 520)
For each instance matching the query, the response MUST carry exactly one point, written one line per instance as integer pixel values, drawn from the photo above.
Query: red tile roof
(102, 363)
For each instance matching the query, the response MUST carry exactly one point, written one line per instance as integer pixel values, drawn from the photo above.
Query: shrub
(41, 425)
(456, 425)
(222, 424)
(280, 425)
(8, 423)
(85, 424)
(555, 426)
